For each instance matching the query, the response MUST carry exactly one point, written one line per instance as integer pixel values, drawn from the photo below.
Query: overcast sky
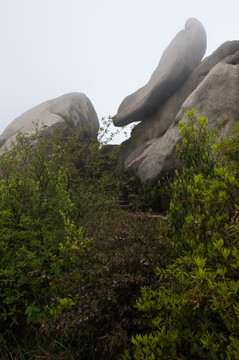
(106, 49)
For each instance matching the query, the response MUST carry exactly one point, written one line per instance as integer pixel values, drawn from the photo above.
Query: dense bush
(72, 263)
(33, 190)
(43, 179)
(80, 277)
(193, 313)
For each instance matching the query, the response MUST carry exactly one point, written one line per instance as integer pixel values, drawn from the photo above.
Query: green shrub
(193, 313)
(43, 179)
(33, 190)
(72, 263)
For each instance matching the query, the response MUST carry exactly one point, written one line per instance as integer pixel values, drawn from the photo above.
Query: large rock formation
(74, 110)
(182, 55)
(212, 89)
(216, 98)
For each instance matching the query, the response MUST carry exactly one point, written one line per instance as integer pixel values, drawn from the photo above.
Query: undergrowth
(83, 278)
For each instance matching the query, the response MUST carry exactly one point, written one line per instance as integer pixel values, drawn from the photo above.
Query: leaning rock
(74, 110)
(215, 98)
(182, 55)
(155, 126)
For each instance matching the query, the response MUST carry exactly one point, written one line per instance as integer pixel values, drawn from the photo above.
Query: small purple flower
(115, 284)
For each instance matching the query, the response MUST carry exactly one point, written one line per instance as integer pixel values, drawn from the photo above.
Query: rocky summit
(210, 86)
(181, 81)
(74, 110)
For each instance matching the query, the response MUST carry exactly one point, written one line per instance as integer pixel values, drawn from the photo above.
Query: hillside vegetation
(82, 277)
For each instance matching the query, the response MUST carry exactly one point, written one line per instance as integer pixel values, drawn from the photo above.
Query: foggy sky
(106, 49)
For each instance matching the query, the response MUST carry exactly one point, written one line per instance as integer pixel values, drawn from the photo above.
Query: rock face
(182, 55)
(212, 89)
(215, 98)
(144, 134)
(73, 109)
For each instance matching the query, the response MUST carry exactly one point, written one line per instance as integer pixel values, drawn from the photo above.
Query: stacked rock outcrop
(210, 86)
(74, 110)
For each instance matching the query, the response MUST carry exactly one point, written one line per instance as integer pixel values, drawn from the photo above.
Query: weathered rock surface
(216, 97)
(154, 127)
(182, 55)
(74, 110)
